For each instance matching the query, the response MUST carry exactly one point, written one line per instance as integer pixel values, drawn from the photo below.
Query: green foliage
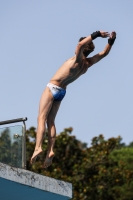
(102, 171)
(123, 162)
(5, 147)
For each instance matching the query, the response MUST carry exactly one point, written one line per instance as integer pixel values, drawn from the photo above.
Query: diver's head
(88, 47)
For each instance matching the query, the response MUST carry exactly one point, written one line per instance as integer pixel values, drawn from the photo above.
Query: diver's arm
(105, 52)
(88, 40)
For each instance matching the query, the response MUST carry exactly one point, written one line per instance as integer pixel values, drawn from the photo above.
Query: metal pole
(24, 146)
(13, 121)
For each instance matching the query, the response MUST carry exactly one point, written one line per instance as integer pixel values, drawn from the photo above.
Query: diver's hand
(113, 35)
(104, 34)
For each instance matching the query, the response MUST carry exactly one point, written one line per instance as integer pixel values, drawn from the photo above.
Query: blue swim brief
(57, 92)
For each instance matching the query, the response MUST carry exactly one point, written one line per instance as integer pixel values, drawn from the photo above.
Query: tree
(123, 159)
(102, 171)
(10, 148)
(95, 172)
(5, 146)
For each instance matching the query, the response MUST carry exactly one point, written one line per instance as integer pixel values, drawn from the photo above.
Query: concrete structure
(20, 184)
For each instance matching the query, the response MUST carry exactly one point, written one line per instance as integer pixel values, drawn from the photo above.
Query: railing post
(24, 146)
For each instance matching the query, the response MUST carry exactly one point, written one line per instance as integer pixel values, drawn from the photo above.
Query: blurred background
(36, 37)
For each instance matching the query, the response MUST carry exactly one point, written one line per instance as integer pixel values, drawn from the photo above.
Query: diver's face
(88, 49)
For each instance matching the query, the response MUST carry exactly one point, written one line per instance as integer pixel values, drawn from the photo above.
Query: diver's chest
(79, 69)
(83, 68)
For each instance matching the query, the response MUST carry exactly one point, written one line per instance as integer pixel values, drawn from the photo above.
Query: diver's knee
(41, 118)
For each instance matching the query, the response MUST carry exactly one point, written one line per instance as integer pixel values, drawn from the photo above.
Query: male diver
(55, 90)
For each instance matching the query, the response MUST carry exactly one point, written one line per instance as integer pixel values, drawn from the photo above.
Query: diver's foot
(48, 160)
(35, 154)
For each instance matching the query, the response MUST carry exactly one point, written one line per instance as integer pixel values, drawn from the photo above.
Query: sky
(36, 37)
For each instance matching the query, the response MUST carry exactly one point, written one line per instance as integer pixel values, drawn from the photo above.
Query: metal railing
(17, 136)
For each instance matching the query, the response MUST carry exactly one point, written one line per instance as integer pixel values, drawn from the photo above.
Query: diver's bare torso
(70, 71)
(78, 64)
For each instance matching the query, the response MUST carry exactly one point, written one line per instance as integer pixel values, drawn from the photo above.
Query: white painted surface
(28, 178)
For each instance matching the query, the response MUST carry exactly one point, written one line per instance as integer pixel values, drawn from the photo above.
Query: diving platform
(21, 184)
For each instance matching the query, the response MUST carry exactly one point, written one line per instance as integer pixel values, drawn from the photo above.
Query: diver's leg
(45, 105)
(51, 132)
